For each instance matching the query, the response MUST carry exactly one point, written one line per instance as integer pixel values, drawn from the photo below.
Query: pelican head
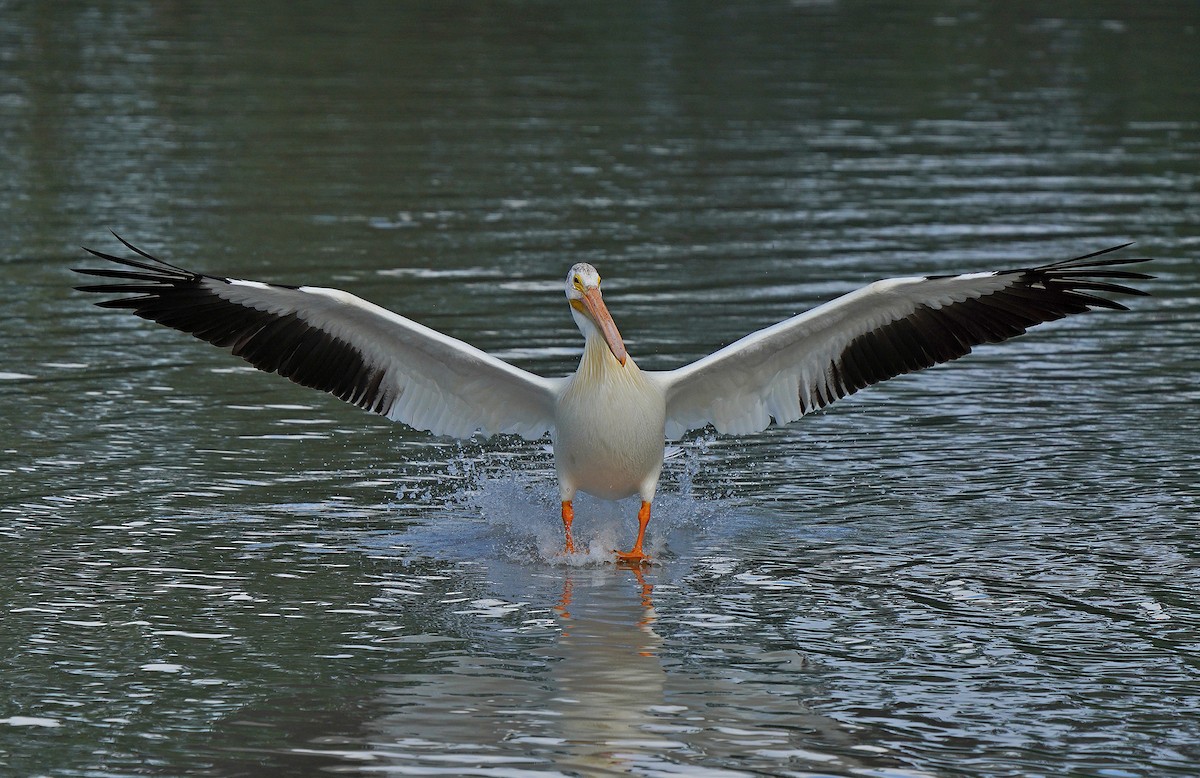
(587, 306)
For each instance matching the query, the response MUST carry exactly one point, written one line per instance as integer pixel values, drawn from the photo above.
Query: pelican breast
(609, 427)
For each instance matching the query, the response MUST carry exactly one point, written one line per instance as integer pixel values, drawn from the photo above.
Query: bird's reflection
(646, 589)
(607, 669)
(576, 679)
(597, 682)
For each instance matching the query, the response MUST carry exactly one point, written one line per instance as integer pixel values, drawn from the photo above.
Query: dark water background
(987, 569)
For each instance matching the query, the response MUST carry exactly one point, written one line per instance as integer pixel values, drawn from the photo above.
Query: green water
(986, 569)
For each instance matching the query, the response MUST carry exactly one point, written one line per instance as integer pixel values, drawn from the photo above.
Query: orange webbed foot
(635, 556)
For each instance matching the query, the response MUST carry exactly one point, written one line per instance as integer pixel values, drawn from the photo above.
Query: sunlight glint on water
(987, 569)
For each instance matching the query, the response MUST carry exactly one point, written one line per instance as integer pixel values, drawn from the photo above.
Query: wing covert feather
(883, 330)
(331, 340)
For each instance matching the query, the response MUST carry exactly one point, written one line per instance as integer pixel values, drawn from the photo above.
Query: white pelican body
(609, 420)
(608, 428)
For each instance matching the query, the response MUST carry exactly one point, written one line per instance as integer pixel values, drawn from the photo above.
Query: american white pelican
(608, 422)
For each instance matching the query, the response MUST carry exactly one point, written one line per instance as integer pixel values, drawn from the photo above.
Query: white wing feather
(787, 370)
(434, 382)
(334, 341)
(379, 360)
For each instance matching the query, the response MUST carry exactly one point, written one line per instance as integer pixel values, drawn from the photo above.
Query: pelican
(608, 422)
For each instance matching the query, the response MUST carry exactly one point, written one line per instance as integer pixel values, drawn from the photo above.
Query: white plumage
(609, 420)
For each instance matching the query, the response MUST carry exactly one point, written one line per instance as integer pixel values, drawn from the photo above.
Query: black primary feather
(931, 336)
(275, 343)
(288, 345)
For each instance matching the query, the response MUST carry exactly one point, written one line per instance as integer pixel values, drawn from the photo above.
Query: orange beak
(593, 305)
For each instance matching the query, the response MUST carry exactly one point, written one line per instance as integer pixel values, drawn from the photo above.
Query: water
(987, 569)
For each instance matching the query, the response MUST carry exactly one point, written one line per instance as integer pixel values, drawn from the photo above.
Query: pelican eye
(578, 283)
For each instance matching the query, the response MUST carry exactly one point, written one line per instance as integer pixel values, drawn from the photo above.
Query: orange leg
(635, 555)
(568, 514)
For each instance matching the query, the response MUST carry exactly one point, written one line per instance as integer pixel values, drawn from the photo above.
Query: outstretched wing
(880, 331)
(333, 341)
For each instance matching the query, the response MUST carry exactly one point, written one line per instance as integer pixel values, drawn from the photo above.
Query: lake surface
(990, 568)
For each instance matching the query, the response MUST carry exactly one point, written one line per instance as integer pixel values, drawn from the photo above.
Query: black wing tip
(144, 277)
(154, 268)
(1091, 260)
(1109, 250)
(1090, 272)
(129, 245)
(100, 254)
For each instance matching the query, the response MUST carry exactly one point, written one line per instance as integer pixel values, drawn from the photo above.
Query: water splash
(494, 505)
